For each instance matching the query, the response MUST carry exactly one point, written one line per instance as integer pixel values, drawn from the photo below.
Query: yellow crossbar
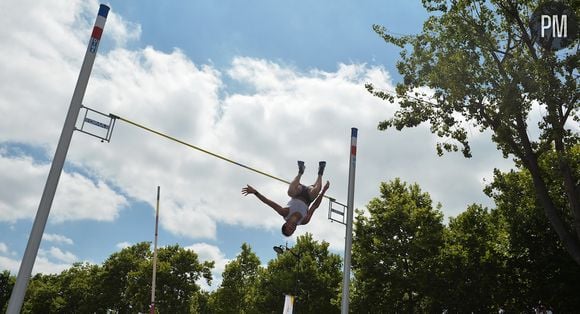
(202, 150)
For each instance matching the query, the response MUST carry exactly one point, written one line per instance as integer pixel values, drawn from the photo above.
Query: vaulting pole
(349, 217)
(24, 273)
(152, 309)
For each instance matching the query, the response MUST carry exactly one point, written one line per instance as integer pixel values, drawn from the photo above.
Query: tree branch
(512, 11)
(567, 113)
(495, 126)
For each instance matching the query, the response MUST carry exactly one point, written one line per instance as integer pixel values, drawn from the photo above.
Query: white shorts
(296, 205)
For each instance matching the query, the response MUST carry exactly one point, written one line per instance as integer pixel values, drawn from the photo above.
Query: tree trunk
(570, 186)
(570, 242)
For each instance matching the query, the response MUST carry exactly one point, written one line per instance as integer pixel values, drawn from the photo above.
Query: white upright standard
(17, 296)
(349, 215)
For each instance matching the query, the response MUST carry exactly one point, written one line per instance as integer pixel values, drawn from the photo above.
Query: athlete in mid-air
(299, 210)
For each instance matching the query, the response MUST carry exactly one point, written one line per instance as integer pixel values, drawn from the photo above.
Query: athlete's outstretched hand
(248, 190)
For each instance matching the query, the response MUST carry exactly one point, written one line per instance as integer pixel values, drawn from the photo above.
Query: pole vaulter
(24, 273)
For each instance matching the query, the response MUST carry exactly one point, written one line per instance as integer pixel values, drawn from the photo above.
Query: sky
(264, 83)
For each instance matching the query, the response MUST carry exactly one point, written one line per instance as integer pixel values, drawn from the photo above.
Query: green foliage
(200, 303)
(7, 282)
(313, 277)
(238, 290)
(405, 260)
(485, 72)
(76, 285)
(177, 271)
(473, 263)
(115, 276)
(123, 284)
(44, 295)
(395, 251)
(538, 263)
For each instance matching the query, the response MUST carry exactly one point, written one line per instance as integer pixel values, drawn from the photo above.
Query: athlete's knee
(294, 191)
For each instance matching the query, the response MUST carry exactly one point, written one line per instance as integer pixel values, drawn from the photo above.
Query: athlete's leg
(315, 188)
(294, 188)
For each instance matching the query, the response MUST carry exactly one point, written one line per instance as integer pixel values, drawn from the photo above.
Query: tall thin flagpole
(24, 273)
(349, 217)
(155, 255)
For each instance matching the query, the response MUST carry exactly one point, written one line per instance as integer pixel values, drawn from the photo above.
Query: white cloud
(288, 115)
(63, 256)
(43, 45)
(122, 245)
(76, 198)
(80, 198)
(43, 264)
(208, 252)
(21, 179)
(3, 248)
(57, 238)
(120, 30)
(9, 264)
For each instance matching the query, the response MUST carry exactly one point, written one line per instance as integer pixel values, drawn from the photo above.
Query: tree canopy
(309, 272)
(122, 283)
(238, 290)
(395, 251)
(405, 259)
(475, 66)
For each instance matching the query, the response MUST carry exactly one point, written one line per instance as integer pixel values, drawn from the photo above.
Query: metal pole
(24, 273)
(152, 310)
(349, 215)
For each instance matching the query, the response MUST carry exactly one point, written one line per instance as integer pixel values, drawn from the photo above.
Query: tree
(473, 263)
(123, 284)
(7, 282)
(44, 295)
(77, 286)
(479, 59)
(178, 269)
(538, 264)
(395, 250)
(237, 292)
(125, 280)
(114, 279)
(200, 303)
(309, 272)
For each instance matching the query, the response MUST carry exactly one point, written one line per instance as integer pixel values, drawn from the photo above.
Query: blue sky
(305, 34)
(262, 82)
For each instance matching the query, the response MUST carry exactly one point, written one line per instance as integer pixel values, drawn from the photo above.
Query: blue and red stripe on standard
(103, 10)
(100, 22)
(353, 134)
(97, 33)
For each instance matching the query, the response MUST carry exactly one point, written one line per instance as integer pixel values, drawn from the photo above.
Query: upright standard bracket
(97, 124)
(336, 211)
